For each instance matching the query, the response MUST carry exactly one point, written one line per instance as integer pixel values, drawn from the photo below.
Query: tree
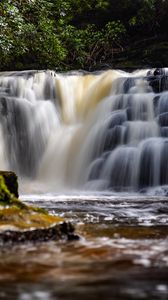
(28, 34)
(67, 34)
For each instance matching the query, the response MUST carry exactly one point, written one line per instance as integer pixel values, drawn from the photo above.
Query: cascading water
(86, 131)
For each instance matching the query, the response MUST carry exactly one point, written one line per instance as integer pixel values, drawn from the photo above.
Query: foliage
(27, 34)
(67, 34)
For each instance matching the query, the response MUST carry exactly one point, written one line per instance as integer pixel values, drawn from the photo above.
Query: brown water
(89, 132)
(122, 252)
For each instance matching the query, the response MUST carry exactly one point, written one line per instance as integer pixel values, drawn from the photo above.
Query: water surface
(122, 252)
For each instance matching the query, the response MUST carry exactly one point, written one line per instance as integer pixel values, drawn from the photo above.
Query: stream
(103, 136)
(122, 252)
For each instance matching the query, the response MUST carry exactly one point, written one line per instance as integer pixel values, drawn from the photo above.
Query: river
(92, 148)
(122, 252)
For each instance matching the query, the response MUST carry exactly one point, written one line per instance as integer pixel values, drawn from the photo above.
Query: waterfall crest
(107, 130)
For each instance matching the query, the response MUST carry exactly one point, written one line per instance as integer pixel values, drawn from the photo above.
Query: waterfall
(100, 131)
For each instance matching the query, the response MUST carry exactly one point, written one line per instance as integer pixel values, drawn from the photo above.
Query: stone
(56, 232)
(20, 223)
(11, 182)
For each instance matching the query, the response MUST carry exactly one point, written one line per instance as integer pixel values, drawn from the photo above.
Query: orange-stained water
(122, 252)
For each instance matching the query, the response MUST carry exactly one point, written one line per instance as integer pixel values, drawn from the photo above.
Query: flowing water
(92, 148)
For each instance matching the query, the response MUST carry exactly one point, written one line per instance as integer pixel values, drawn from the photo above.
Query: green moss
(25, 219)
(11, 182)
(7, 198)
(15, 213)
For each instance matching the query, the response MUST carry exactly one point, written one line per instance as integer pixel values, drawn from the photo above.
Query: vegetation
(69, 34)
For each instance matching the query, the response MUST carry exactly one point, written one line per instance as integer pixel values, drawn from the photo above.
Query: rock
(11, 182)
(117, 118)
(163, 119)
(114, 137)
(6, 197)
(96, 168)
(159, 71)
(56, 232)
(158, 80)
(22, 223)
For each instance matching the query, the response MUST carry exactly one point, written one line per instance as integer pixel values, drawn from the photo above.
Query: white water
(95, 131)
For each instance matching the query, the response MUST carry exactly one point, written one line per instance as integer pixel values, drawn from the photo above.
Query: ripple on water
(143, 210)
(122, 253)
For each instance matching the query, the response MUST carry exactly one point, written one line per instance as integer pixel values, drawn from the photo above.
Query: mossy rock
(21, 223)
(11, 182)
(26, 218)
(27, 225)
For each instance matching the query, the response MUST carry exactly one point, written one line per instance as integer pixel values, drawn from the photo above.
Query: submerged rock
(22, 223)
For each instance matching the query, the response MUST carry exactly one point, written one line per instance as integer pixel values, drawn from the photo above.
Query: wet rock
(123, 160)
(117, 118)
(11, 182)
(19, 139)
(56, 232)
(163, 103)
(164, 164)
(156, 100)
(159, 71)
(96, 168)
(163, 119)
(159, 80)
(22, 223)
(128, 84)
(164, 132)
(114, 137)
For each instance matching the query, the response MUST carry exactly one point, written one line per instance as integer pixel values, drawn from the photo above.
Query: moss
(20, 223)
(11, 182)
(7, 198)
(15, 213)
(26, 219)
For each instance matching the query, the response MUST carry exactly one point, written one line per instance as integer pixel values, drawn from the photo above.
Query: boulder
(22, 223)
(11, 182)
